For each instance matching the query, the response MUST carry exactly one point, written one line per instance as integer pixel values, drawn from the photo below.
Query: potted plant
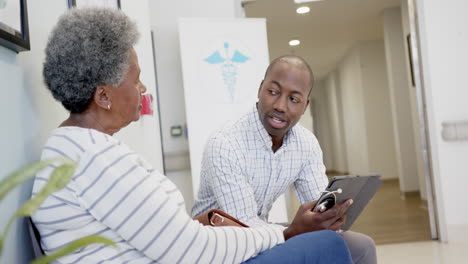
(59, 178)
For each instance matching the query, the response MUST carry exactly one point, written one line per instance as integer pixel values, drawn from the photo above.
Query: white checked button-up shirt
(242, 176)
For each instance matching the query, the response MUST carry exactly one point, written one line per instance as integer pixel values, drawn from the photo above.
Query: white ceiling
(326, 32)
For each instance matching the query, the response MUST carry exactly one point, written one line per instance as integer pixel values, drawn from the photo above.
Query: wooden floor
(389, 219)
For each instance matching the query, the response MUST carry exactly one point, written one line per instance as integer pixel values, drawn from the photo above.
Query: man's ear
(260, 88)
(307, 105)
(102, 96)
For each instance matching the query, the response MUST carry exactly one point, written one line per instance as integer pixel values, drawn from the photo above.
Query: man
(248, 164)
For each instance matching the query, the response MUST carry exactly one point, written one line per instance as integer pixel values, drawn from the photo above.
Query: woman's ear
(102, 97)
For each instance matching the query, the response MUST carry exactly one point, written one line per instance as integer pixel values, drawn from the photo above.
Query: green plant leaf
(79, 243)
(58, 180)
(24, 173)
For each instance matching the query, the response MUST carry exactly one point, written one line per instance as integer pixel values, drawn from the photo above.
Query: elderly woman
(92, 69)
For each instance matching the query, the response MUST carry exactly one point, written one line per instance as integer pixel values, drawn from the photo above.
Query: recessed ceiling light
(303, 10)
(305, 1)
(294, 42)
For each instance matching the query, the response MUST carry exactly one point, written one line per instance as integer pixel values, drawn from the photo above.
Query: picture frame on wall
(14, 29)
(94, 3)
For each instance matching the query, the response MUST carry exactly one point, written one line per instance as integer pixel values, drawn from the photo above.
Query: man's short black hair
(296, 61)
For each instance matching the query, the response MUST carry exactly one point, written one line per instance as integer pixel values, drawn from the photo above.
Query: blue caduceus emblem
(228, 67)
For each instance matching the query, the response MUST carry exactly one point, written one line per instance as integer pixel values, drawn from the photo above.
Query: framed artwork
(14, 30)
(95, 3)
(410, 55)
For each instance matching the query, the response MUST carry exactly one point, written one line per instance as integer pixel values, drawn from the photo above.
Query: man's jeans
(314, 247)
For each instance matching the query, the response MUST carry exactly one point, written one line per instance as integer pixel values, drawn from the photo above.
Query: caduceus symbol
(228, 68)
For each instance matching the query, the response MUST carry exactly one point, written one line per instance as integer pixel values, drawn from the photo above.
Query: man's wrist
(287, 233)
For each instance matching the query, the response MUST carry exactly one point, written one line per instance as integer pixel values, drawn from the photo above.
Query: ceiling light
(303, 10)
(294, 42)
(305, 1)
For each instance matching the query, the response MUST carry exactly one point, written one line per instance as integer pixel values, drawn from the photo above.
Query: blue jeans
(315, 247)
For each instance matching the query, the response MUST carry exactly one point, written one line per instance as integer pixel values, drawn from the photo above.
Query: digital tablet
(360, 188)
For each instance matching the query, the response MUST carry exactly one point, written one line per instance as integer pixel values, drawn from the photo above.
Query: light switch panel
(176, 131)
(455, 130)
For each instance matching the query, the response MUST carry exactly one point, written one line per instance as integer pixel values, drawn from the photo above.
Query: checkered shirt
(242, 176)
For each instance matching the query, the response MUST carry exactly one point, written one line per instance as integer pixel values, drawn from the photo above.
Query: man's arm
(223, 171)
(312, 179)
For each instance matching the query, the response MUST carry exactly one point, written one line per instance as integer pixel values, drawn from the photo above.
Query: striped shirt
(116, 194)
(242, 175)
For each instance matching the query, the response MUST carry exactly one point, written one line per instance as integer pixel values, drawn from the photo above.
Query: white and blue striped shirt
(243, 176)
(115, 193)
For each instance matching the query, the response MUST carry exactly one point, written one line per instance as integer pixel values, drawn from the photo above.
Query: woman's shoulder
(72, 142)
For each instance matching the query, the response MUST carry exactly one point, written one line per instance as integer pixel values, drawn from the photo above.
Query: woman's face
(126, 98)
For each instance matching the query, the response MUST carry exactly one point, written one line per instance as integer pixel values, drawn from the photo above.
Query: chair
(35, 238)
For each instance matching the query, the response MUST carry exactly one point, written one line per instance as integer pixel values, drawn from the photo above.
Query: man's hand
(307, 221)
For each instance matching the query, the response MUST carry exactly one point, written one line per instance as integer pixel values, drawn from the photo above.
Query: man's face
(283, 98)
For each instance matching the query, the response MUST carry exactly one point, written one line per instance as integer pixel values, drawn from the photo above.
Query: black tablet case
(359, 188)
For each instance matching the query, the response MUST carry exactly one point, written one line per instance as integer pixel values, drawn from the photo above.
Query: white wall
(379, 126)
(400, 100)
(352, 101)
(322, 123)
(18, 147)
(444, 38)
(335, 114)
(29, 113)
(307, 119)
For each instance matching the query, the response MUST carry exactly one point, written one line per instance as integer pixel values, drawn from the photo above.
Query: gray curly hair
(87, 48)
